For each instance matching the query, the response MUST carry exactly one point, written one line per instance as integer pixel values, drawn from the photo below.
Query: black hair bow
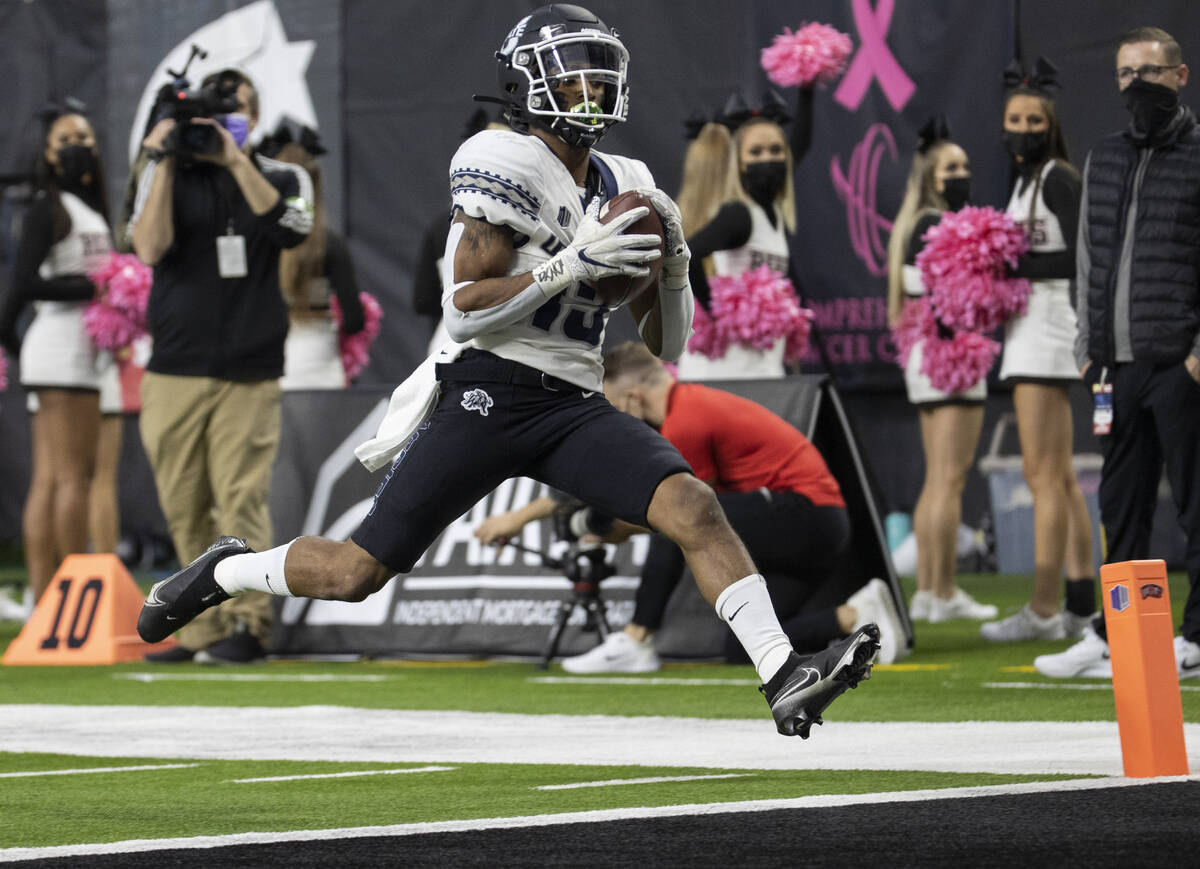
(936, 129)
(310, 141)
(55, 109)
(306, 137)
(737, 111)
(271, 145)
(1042, 77)
(693, 124)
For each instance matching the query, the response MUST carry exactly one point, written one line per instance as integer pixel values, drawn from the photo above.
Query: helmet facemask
(576, 83)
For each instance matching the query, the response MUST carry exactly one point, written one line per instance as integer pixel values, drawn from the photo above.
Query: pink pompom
(963, 266)
(705, 340)
(356, 349)
(117, 316)
(754, 309)
(916, 323)
(957, 364)
(814, 54)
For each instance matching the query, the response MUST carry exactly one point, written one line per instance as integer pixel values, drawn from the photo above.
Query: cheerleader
(939, 180)
(738, 205)
(1039, 361)
(65, 235)
(310, 275)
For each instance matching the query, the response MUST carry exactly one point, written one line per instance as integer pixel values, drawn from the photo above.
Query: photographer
(211, 221)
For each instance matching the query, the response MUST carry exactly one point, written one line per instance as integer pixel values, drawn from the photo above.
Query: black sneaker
(182, 596)
(240, 647)
(801, 691)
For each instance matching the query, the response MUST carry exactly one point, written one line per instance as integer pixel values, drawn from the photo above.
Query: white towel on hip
(412, 401)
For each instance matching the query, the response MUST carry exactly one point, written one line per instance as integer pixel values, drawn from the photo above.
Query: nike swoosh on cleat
(814, 677)
(152, 597)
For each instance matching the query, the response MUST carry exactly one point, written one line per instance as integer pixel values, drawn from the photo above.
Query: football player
(521, 394)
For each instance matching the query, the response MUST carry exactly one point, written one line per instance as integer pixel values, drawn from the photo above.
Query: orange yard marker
(88, 615)
(1137, 613)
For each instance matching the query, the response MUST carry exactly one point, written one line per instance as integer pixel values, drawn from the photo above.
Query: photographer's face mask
(238, 125)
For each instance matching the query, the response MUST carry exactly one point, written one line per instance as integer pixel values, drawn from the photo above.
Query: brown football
(619, 290)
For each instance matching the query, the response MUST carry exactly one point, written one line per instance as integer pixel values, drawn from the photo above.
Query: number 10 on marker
(82, 614)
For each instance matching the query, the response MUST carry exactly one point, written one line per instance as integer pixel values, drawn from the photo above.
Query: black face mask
(75, 161)
(764, 180)
(1030, 147)
(957, 192)
(1152, 106)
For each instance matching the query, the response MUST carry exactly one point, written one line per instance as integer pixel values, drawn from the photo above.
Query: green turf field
(951, 676)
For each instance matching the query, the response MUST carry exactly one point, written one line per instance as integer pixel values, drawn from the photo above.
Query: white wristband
(553, 276)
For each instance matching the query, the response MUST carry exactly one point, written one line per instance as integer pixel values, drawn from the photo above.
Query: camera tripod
(586, 567)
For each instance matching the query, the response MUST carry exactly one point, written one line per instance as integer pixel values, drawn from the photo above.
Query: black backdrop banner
(850, 184)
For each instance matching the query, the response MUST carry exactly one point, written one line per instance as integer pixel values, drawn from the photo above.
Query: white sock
(746, 608)
(254, 571)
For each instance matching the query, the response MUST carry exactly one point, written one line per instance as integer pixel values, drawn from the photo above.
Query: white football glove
(598, 250)
(677, 256)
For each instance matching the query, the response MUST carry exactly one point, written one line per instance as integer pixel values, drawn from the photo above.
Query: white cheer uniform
(767, 245)
(1041, 342)
(312, 356)
(57, 351)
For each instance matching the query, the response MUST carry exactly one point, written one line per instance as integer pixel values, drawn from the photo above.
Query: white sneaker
(1088, 657)
(920, 605)
(620, 653)
(873, 603)
(1187, 658)
(11, 611)
(1073, 625)
(961, 606)
(1024, 624)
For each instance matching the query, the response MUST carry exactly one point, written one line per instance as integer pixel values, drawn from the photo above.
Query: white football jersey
(515, 180)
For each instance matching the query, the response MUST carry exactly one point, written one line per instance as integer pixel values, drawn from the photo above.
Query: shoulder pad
(494, 176)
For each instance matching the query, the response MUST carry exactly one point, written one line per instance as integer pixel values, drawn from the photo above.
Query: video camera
(574, 519)
(179, 102)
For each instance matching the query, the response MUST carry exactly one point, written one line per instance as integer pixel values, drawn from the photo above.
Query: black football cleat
(182, 596)
(802, 690)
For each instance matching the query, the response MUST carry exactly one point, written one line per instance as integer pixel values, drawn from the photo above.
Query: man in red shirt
(776, 491)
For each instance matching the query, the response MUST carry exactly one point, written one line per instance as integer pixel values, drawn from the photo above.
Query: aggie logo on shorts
(477, 399)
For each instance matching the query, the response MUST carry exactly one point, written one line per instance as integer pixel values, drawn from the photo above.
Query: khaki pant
(211, 444)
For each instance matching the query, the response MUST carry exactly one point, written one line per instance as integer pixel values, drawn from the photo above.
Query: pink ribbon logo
(874, 60)
(867, 227)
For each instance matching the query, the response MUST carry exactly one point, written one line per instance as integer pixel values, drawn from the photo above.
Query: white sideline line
(400, 737)
(509, 583)
(11, 855)
(244, 781)
(97, 769)
(616, 782)
(634, 680)
(1087, 686)
(248, 677)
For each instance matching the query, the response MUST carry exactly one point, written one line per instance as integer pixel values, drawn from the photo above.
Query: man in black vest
(1139, 325)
